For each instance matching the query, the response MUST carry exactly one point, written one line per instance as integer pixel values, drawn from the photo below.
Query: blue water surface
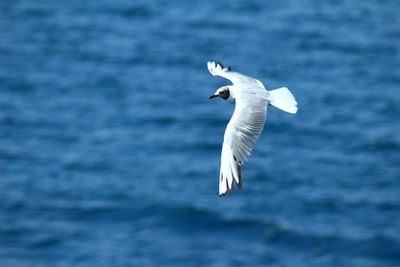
(109, 145)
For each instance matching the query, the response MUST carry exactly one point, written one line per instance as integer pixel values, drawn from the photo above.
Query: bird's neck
(231, 98)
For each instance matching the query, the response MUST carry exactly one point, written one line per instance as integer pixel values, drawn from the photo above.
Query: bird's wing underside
(241, 134)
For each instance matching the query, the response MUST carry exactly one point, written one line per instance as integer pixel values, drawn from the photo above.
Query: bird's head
(222, 92)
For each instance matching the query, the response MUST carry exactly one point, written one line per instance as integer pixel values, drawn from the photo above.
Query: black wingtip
(219, 63)
(239, 176)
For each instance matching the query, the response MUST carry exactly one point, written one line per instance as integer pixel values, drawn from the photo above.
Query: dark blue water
(109, 146)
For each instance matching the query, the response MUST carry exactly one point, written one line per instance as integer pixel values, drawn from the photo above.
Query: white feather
(283, 99)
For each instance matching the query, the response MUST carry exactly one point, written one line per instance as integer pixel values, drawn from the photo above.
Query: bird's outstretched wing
(241, 134)
(245, 126)
(217, 69)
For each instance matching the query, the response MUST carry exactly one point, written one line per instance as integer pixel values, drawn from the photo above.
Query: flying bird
(251, 100)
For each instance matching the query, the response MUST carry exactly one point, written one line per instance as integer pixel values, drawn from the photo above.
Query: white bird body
(251, 100)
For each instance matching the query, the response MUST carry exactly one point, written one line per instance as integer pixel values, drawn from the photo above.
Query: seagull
(251, 100)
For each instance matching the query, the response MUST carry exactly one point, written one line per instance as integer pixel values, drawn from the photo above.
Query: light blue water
(109, 146)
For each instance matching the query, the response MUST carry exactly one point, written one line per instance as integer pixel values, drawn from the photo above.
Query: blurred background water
(109, 146)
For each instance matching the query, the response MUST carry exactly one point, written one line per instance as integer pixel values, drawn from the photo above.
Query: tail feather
(283, 99)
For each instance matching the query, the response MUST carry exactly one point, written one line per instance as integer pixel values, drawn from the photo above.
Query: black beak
(213, 96)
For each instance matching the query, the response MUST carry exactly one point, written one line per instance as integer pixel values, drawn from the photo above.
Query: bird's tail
(283, 99)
